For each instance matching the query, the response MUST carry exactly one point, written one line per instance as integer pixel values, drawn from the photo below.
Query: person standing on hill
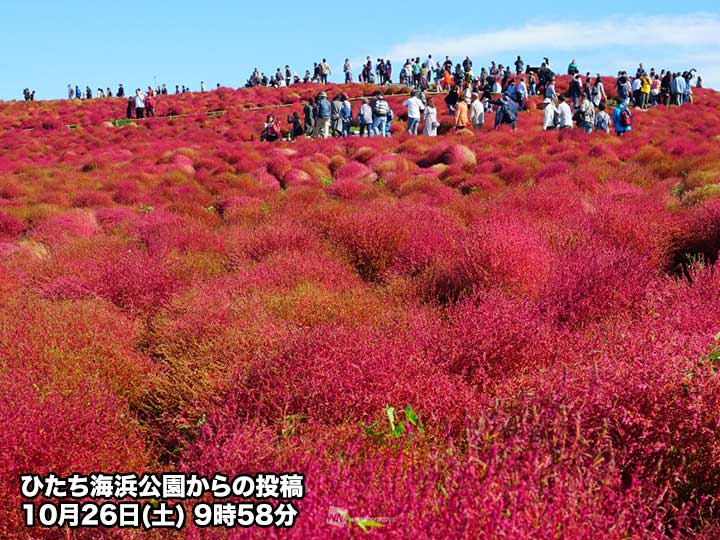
(519, 65)
(622, 119)
(309, 117)
(347, 70)
(575, 90)
(550, 92)
(380, 115)
(636, 85)
(573, 68)
(380, 71)
(467, 64)
(430, 123)
(564, 113)
(346, 115)
(324, 71)
(322, 121)
(414, 107)
(587, 87)
(451, 99)
(121, 91)
(335, 118)
(477, 112)
(507, 111)
(586, 112)
(665, 91)
(655, 91)
(597, 93)
(551, 115)
(149, 106)
(602, 120)
(139, 101)
(678, 89)
(623, 87)
(461, 115)
(365, 118)
(645, 87)
(521, 94)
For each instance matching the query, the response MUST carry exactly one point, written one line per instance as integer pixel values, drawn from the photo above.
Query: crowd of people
(75, 92)
(320, 73)
(497, 88)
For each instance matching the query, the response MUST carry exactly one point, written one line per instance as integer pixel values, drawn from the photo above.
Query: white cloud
(676, 34)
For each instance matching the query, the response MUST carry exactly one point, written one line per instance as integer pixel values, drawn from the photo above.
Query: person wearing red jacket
(149, 106)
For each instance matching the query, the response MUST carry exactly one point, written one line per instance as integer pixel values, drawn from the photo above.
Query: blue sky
(48, 44)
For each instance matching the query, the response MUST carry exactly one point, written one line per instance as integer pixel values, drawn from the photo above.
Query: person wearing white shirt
(430, 124)
(565, 114)
(635, 86)
(430, 63)
(414, 106)
(550, 116)
(477, 112)
(139, 104)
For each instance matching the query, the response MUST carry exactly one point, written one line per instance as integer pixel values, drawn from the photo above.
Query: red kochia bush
(370, 239)
(10, 226)
(80, 224)
(136, 281)
(545, 466)
(500, 253)
(334, 375)
(591, 284)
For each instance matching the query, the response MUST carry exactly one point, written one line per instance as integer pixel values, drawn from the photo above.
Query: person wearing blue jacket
(322, 122)
(622, 119)
(346, 115)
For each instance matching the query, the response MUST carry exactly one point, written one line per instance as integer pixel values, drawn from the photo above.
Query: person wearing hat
(322, 122)
(477, 112)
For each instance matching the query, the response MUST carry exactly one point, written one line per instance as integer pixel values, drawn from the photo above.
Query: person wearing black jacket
(575, 90)
(451, 99)
(665, 88)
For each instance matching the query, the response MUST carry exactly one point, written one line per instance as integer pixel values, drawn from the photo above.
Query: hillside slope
(177, 296)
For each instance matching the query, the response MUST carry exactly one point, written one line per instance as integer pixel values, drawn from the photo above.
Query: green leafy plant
(713, 357)
(400, 424)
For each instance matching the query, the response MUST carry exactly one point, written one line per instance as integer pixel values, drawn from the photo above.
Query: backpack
(625, 118)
